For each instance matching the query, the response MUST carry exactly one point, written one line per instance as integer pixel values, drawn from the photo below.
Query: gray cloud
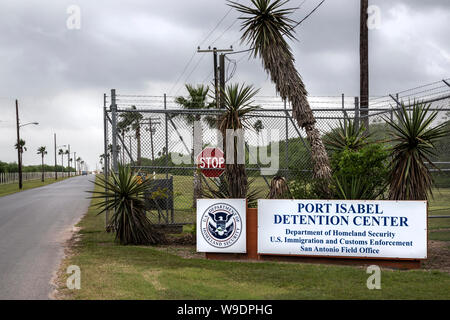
(60, 75)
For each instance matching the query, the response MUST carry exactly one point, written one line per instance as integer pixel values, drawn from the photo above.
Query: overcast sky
(59, 75)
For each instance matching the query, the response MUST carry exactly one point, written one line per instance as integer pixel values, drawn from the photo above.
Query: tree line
(13, 167)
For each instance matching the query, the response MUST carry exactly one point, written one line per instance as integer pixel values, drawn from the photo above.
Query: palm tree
(133, 120)
(265, 24)
(67, 153)
(238, 104)
(123, 127)
(197, 100)
(258, 126)
(103, 159)
(21, 147)
(78, 161)
(61, 153)
(42, 151)
(82, 165)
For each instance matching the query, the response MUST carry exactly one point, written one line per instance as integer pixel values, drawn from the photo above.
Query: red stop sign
(211, 161)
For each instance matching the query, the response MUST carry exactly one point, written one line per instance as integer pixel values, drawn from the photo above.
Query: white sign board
(221, 225)
(347, 228)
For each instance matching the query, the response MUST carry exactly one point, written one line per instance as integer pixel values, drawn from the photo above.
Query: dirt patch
(438, 256)
(57, 280)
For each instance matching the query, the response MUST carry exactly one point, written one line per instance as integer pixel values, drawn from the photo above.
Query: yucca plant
(354, 188)
(238, 104)
(414, 134)
(346, 136)
(125, 198)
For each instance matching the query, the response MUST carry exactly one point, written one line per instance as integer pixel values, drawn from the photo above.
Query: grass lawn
(10, 188)
(111, 271)
(440, 206)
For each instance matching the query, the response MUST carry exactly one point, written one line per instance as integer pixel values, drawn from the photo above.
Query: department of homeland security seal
(221, 225)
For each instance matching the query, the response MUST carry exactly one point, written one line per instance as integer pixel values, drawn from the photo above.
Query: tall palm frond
(266, 26)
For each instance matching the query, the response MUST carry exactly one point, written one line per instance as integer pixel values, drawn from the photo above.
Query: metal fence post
(105, 158)
(114, 129)
(287, 143)
(344, 112)
(167, 156)
(356, 112)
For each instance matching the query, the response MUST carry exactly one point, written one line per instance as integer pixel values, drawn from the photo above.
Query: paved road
(34, 224)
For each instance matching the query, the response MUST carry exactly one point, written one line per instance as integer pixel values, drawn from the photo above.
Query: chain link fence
(13, 177)
(155, 135)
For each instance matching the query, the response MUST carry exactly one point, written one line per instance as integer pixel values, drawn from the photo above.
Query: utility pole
(68, 160)
(215, 51)
(222, 80)
(152, 123)
(18, 145)
(364, 63)
(56, 168)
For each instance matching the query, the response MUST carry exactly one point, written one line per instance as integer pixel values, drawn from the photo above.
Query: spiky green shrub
(346, 136)
(414, 134)
(125, 199)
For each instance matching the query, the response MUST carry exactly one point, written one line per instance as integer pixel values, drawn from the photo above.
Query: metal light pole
(62, 161)
(18, 145)
(56, 163)
(19, 148)
(56, 168)
(68, 160)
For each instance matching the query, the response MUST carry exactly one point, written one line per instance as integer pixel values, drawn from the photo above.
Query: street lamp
(19, 149)
(26, 124)
(56, 164)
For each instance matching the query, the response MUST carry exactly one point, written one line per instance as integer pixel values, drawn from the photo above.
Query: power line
(201, 43)
(182, 73)
(284, 33)
(189, 75)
